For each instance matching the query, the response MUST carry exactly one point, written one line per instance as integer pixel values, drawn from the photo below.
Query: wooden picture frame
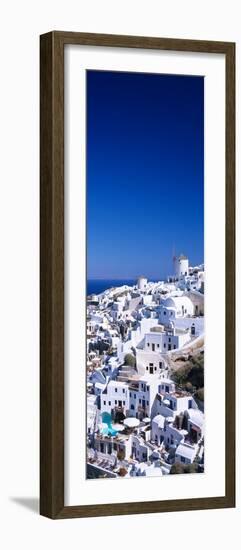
(52, 274)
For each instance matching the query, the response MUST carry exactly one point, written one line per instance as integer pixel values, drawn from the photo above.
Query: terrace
(175, 393)
(119, 438)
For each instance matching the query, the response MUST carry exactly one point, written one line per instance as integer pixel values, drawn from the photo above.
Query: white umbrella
(131, 422)
(118, 427)
(166, 401)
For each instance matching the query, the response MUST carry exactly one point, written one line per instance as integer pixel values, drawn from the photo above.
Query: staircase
(126, 373)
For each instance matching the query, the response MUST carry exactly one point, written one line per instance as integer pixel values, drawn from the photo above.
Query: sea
(96, 286)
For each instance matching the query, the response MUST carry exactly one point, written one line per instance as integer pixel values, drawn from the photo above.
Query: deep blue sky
(145, 169)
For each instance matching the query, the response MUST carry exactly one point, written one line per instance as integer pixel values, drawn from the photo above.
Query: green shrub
(122, 472)
(191, 468)
(130, 360)
(200, 394)
(189, 387)
(191, 375)
(177, 468)
(121, 454)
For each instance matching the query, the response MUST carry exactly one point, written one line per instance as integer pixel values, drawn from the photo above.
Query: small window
(165, 312)
(169, 339)
(148, 344)
(116, 390)
(147, 402)
(130, 393)
(134, 396)
(104, 402)
(158, 345)
(146, 368)
(150, 364)
(182, 459)
(164, 345)
(115, 402)
(123, 391)
(132, 407)
(139, 400)
(124, 402)
(109, 403)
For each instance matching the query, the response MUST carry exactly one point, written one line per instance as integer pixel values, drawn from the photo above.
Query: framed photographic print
(137, 275)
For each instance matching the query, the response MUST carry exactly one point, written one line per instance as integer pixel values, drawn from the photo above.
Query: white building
(161, 341)
(185, 453)
(142, 283)
(117, 307)
(172, 404)
(98, 318)
(182, 266)
(91, 413)
(197, 299)
(151, 321)
(195, 325)
(135, 337)
(114, 445)
(175, 307)
(148, 299)
(130, 446)
(140, 451)
(145, 469)
(195, 424)
(115, 397)
(112, 367)
(91, 327)
(142, 394)
(149, 362)
(164, 432)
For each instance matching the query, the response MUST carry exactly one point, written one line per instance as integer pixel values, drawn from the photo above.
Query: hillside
(190, 375)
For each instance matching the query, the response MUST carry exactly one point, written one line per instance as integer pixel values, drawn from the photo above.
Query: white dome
(177, 302)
